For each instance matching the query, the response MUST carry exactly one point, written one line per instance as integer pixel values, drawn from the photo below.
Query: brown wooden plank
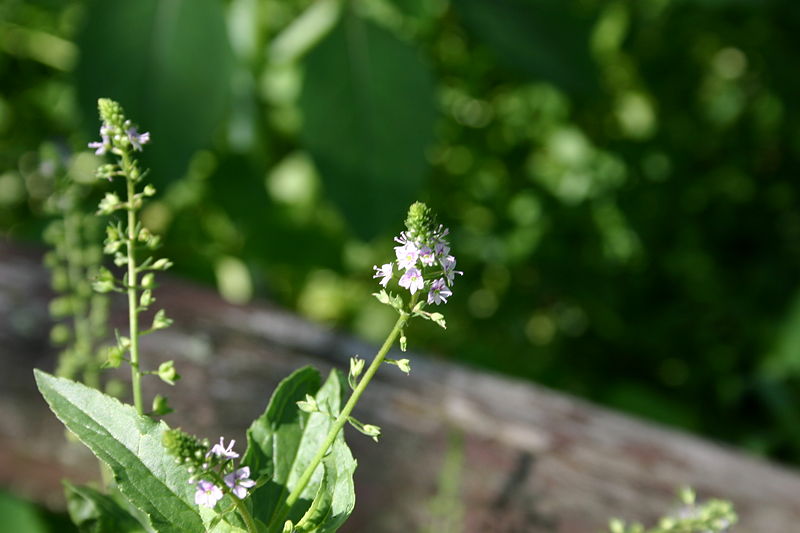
(532, 459)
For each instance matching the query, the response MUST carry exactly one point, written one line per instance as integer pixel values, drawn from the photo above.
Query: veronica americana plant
(296, 471)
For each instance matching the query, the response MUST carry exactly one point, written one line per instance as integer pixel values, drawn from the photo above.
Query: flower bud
(309, 405)
(162, 264)
(404, 365)
(113, 357)
(167, 372)
(148, 280)
(356, 367)
(161, 321)
(371, 431)
(146, 298)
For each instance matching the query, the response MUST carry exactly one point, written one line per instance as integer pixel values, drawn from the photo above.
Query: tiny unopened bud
(162, 264)
(149, 190)
(160, 406)
(309, 405)
(146, 298)
(160, 320)
(356, 367)
(167, 372)
(113, 357)
(404, 365)
(372, 431)
(109, 204)
(148, 281)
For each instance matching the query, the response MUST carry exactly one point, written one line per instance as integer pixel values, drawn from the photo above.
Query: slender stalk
(245, 514)
(133, 303)
(280, 513)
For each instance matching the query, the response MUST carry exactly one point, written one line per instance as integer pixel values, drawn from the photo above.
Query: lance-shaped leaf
(284, 440)
(130, 445)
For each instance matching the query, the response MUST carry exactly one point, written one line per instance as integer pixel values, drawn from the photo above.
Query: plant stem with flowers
(211, 490)
(121, 138)
(423, 256)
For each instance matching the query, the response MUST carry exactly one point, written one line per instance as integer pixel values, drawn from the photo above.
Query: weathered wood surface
(530, 459)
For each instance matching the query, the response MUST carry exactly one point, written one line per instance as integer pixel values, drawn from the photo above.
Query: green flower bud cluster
(420, 223)
(187, 449)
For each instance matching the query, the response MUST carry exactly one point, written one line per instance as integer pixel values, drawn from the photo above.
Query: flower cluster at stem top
(117, 133)
(213, 470)
(423, 259)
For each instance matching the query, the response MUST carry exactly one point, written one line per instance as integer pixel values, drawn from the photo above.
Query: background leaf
(539, 38)
(368, 117)
(284, 439)
(131, 445)
(168, 64)
(94, 512)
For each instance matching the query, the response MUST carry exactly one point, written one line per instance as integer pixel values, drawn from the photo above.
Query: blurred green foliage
(619, 176)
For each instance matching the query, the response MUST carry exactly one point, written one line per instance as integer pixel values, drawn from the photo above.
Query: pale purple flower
(239, 481)
(407, 255)
(137, 139)
(104, 145)
(439, 292)
(441, 249)
(222, 452)
(448, 269)
(426, 256)
(207, 494)
(385, 272)
(412, 280)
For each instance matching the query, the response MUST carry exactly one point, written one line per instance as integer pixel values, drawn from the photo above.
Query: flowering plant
(296, 474)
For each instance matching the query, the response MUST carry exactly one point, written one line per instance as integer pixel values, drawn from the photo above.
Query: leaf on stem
(284, 440)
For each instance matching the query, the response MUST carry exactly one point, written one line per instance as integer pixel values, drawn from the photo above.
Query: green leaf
(368, 117)
(94, 512)
(539, 38)
(131, 446)
(21, 515)
(144, 54)
(284, 440)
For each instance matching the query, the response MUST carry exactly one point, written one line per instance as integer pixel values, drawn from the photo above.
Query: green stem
(245, 514)
(133, 303)
(280, 513)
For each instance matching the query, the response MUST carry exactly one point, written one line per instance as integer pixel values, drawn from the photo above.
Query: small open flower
(385, 272)
(239, 481)
(207, 494)
(137, 139)
(439, 292)
(222, 452)
(407, 255)
(104, 145)
(412, 280)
